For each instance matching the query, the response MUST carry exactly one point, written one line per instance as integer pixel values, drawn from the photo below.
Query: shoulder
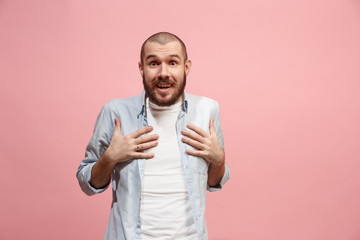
(127, 102)
(201, 101)
(120, 107)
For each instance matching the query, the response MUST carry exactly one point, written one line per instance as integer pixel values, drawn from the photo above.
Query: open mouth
(163, 86)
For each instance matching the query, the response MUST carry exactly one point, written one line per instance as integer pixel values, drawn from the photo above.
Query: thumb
(117, 125)
(211, 127)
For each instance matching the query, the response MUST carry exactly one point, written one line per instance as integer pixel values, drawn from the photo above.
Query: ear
(187, 66)
(141, 69)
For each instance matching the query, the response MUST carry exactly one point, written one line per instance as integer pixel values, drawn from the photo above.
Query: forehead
(163, 50)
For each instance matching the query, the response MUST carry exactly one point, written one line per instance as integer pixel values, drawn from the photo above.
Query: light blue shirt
(124, 222)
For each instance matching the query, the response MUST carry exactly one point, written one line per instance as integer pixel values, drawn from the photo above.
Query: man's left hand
(206, 144)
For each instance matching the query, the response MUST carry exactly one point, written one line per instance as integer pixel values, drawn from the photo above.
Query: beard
(150, 91)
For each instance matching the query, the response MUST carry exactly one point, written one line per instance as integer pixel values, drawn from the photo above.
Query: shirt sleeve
(219, 133)
(99, 142)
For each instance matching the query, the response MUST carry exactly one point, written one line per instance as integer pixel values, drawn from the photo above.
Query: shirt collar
(143, 109)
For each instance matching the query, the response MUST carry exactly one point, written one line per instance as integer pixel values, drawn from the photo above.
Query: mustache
(163, 80)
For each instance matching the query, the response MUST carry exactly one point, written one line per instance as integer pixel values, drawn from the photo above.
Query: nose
(163, 72)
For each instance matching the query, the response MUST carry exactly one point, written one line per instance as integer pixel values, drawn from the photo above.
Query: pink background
(286, 75)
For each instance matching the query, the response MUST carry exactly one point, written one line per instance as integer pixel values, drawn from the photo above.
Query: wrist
(107, 160)
(219, 163)
(220, 160)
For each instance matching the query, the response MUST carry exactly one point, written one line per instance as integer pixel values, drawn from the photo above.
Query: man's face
(164, 72)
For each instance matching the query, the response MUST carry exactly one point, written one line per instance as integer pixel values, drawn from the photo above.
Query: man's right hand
(121, 149)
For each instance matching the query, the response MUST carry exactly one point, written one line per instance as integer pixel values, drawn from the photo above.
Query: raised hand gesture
(121, 149)
(206, 144)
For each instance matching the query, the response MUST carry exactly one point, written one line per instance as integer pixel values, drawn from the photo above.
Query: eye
(153, 63)
(173, 63)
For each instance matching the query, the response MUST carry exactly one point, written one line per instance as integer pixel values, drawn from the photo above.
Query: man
(161, 150)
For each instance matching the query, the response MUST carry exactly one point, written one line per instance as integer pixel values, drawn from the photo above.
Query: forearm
(101, 172)
(215, 173)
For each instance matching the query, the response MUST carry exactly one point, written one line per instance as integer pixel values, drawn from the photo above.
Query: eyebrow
(175, 56)
(150, 56)
(172, 56)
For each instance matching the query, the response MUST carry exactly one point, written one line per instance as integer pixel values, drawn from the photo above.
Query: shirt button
(144, 124)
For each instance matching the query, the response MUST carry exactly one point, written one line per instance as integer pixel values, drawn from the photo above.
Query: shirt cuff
(85, 178)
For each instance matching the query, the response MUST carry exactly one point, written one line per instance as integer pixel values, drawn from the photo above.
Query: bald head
(163, 38)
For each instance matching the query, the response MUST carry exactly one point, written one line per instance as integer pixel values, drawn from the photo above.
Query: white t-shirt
(165, 209)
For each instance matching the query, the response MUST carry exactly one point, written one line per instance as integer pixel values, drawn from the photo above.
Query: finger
(193, 143)
(192, 135)
(211, 127)
(117, 126)
(143, 155)
(196, 153)
(141, 131)
(197, 129)
(146, 138)
(146, 146)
